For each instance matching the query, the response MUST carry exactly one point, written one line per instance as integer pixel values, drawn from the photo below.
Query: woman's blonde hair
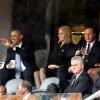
(67, 30)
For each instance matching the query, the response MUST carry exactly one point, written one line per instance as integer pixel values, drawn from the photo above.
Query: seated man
(89, 50)
(80, 81)
(20, 60)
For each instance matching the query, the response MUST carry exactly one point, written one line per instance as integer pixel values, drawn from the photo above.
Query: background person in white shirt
(25, 90)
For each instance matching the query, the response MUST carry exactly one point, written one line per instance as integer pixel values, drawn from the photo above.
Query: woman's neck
(62, 43)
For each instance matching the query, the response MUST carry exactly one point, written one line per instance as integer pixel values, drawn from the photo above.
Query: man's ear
(82, 66)
(21, 36)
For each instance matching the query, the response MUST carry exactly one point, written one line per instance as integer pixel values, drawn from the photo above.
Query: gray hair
(78, 58)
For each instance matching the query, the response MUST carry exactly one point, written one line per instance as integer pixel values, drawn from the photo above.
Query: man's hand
(98, 64)
(70, 69)
(52, 66)
(11, 64)
(6, 42)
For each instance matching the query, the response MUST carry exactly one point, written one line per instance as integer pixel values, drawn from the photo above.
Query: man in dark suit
(90, 48)
(20, 60)
(80, 81)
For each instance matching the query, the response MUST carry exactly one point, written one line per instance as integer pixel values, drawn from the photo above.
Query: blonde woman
(63, 52)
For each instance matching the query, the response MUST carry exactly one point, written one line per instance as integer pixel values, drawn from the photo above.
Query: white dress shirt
(78, 51)
(26, 96)
(22, 65)
(78, 75)
(91, 44)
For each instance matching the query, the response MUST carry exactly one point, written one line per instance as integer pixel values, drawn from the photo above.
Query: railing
(15, 97)
(53, 96)
(93, 96)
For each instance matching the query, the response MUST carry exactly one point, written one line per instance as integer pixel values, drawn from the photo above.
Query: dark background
(40, 18)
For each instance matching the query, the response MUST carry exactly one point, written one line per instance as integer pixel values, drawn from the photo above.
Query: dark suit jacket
(82, 84)
(96, 85)
(93, 57)
(62, 56)
(26, 53)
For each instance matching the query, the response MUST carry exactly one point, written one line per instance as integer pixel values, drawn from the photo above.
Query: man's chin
(14, 44)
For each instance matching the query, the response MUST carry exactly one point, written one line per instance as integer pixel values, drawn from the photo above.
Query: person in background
(89, 50)
(80, 81)
(52, 88)
(3, 90)
(25, 90)
(52, 91)
(96, 86)
(63, 52)
(20, 60)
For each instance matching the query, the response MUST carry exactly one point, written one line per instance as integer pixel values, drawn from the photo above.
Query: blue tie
(17, 66)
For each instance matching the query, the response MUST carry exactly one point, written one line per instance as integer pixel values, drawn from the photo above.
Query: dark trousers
(64, 78)
(28, 75)
(8, 74)
(4, 76)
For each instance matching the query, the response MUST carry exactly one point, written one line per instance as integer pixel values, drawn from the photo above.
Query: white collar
(78, 74)
(26, 96)
(19, 45)
(91, 43)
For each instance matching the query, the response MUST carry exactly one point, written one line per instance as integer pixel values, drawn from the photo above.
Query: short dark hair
(52, 88)
(17, 30)
(27, 85)
(93, 28)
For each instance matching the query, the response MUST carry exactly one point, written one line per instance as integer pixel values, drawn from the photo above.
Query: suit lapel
(77, 80)
(93, 48)
(73, 80)
(74, 83)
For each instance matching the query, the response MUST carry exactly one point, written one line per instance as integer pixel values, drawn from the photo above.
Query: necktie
(17, 66)
(88, 48)
(74, 78)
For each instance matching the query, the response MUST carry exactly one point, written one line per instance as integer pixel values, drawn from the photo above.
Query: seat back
(48, 81)
(12, 86)
(41, 57)
(45, 84)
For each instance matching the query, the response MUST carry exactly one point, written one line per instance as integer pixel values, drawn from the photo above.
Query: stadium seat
(12, 86)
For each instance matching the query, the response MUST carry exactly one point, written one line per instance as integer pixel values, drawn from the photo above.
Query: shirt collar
(26, 96)
(79, 74)
(19, 45)
(91, 43)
